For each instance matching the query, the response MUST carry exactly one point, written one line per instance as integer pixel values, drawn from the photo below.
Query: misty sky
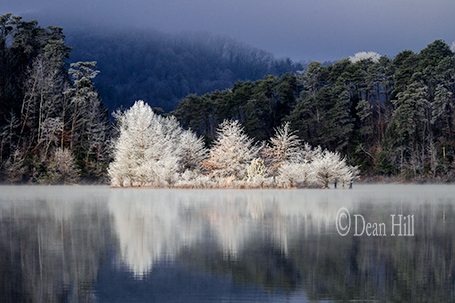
(300, 29)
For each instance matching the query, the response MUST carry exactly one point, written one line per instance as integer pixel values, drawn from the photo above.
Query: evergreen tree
(231, 152)
(284, 147)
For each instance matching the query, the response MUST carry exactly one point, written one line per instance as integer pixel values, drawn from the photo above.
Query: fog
(153, 225)
(301, 29)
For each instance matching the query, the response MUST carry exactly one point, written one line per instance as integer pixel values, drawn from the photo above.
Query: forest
(387, 117)
(53, 126)
(390, 117)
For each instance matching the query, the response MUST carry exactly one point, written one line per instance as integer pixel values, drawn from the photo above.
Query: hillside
(162, 69)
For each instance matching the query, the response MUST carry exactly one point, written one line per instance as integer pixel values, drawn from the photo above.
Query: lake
(391, 243)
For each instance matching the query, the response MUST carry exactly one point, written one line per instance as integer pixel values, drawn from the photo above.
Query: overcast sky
(300, 29)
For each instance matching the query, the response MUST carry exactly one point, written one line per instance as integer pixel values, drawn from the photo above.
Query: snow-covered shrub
(187, 176)
(15, 168)
(203, 181)
(231, 152)
(62, 169)
(257, 169)
(226, 182)
(257, 172)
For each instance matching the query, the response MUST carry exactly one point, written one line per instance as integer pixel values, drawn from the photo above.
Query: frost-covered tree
(15, 168)
(62, 169)
(192, 152)
(329, 166)
(7, 135)
(133, 150)
(365, 56)
(151, 149)
(50, 128)
(231, 152)
(97, 137)
(290, 174)
(284, 146)
(351, 174)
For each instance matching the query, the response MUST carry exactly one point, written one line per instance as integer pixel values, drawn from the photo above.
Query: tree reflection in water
(57, 244)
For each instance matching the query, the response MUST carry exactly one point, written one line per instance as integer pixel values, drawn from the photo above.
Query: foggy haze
(301, 29)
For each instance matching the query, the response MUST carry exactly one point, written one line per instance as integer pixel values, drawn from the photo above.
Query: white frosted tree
(290, 174)
(147, 151)
(62, 169)
(351, 174)
(7, 135)
(192, 152)
(232, 151)
(309, 153)
(284, 147)
(50, 128)
(298, 169)
(365, 56)
(328, 166)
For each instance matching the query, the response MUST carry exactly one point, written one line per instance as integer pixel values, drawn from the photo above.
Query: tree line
(53, 125)
(392, 117)
(155, 151)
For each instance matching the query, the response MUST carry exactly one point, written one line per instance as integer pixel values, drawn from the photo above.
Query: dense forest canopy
(162, 69)
(389, 116)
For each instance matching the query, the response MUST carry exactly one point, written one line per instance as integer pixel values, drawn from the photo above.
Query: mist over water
(96, 244)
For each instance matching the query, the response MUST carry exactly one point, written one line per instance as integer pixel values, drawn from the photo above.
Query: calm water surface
(95, 244)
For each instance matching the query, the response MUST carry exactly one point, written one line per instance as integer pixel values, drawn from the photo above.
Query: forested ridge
(162, 69)
(387, 117)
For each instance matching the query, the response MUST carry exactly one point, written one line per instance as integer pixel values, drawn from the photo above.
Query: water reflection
(51, 244)
(95, 244)
(157, 225)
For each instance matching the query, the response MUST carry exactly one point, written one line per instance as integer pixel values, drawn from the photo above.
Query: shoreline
(362, 181)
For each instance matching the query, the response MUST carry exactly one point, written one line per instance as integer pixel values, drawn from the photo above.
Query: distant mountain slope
(162, 68)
